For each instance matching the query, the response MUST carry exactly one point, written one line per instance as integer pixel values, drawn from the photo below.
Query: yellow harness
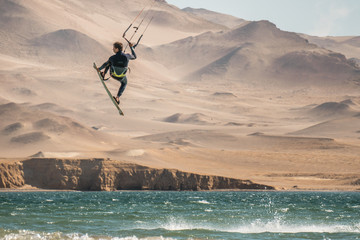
(119, 75)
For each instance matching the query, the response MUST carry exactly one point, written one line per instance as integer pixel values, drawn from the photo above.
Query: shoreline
(99, 174)
(109, 175)
(216, 190)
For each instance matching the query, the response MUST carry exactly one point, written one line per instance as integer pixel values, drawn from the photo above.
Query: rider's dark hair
(118, 45)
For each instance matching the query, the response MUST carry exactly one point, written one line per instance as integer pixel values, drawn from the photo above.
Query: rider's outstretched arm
(131, 56)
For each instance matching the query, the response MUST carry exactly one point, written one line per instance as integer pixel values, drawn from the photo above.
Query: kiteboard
(108, 92)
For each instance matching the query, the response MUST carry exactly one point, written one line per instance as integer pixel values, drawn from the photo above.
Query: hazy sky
(314, 17)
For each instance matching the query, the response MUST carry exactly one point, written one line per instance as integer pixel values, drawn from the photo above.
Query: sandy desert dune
(230, 98)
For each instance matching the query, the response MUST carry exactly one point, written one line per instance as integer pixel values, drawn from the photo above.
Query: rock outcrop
(108, 175)
(11, 175)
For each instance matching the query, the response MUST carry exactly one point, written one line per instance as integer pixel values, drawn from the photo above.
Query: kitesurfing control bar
(137, 27)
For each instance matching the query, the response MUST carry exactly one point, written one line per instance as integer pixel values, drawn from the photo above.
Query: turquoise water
(179, 215)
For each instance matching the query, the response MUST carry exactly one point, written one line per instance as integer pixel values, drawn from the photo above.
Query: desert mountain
(333, 109)
(66, 44)
(346, 126)
(258, 52)
(47, 50)
(23, 20)
(32, 130)
(219, 18)
(349, 46)
(195, 118)
(354, 41)
(18, 20)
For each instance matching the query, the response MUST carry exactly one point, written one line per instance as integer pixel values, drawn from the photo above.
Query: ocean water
(179, 215)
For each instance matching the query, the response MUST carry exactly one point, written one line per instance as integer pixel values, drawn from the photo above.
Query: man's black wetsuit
(118, 65)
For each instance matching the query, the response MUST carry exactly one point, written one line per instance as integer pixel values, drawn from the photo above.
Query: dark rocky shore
(108, 175)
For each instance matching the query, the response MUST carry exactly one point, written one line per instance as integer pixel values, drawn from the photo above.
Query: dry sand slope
(245, 101)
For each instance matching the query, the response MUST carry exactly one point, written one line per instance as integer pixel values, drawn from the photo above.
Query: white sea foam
(25, 234)
(176, 224)
(278, 227)
(284, 210)
(267, 228)
(148, 238)
(180, 225)
(275, 226)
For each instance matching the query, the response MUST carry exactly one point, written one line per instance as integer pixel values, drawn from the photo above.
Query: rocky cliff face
(108, 175)
(11, 175)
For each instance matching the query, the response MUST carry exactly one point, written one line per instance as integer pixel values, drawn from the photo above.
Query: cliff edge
(107, 175)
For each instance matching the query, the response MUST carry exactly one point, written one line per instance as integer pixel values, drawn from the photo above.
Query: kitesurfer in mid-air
(118, 65)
